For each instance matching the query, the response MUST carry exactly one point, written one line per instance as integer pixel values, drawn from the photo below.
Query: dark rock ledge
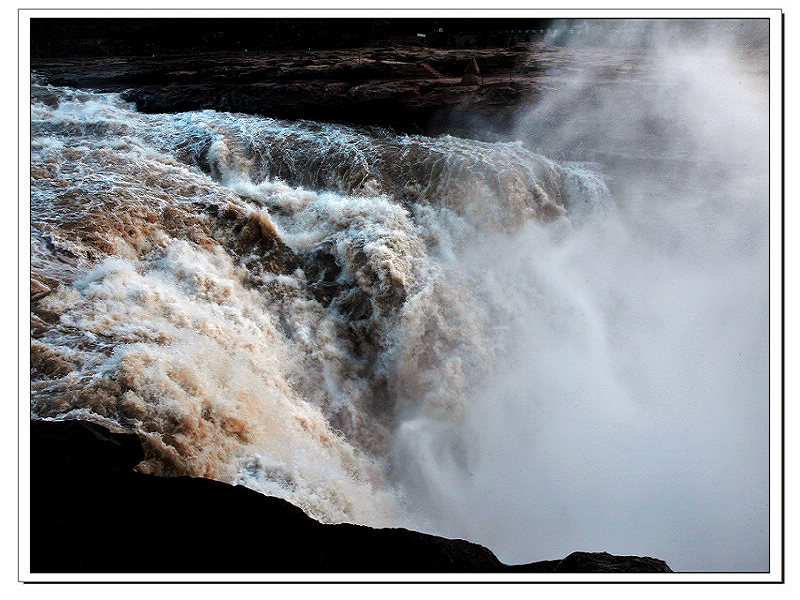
(90, 512)
(413, 90)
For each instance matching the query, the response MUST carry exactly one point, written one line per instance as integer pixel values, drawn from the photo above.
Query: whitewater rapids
(263, 301)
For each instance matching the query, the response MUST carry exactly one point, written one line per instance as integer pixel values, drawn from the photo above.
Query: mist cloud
(629, 412)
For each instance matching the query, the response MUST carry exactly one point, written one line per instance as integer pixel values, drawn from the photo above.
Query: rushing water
(266, 302)
(462, 337)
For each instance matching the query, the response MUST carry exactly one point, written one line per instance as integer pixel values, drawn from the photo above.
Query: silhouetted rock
(603, 562)
(596, 562)
(90, 512)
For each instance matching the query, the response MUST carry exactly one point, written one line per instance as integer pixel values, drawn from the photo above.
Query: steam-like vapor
(629, 412)
(542, 351)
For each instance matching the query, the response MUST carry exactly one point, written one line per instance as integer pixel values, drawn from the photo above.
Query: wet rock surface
(412, 89)
(91, 512)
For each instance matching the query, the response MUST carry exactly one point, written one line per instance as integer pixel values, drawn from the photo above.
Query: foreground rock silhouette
(91, 512)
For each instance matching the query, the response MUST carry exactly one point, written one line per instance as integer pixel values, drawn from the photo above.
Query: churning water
(461, 337)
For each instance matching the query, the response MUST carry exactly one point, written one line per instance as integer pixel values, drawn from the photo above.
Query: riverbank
(411, 89)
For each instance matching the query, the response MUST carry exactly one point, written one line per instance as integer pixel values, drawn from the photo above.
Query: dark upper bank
(402, 73)
(130, 37)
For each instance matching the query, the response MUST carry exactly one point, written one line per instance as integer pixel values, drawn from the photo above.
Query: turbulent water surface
(266, 302)
(462, 337)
